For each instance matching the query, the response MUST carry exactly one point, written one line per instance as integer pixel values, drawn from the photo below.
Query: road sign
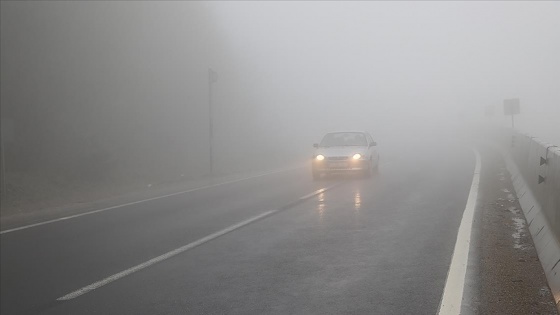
(212, 76)
(511, 106)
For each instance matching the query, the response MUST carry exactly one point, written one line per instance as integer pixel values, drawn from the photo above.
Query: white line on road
(452, 297)
(179, 250)
(143, 200)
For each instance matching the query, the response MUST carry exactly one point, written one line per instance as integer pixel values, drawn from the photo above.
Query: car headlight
(320, 157)
(357, 156)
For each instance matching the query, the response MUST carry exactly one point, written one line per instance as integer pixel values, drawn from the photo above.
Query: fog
(393, 67)
(119, 91)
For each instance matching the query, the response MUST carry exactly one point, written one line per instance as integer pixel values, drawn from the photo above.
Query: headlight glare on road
(357, 156)
(320, 157)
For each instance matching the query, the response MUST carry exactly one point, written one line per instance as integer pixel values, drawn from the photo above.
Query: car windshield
(343, 139)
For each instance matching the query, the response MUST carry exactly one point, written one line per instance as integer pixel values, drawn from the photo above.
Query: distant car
(345, 152)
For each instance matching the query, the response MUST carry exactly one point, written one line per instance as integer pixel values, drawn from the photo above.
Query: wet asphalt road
(375, 246)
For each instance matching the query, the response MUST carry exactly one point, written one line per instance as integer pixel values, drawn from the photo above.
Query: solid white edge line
(143, 200)
(177, 251)
(452, 297)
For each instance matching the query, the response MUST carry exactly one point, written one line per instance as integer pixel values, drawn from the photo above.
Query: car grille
(337, 158)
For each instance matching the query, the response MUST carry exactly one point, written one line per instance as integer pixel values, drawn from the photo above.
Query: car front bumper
(340, 166)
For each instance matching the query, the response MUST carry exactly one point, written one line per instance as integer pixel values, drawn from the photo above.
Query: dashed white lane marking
(182, 249)
(452, 297)
(143, 200)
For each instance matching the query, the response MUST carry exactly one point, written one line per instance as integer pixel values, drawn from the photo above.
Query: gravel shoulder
(509, 278)
(48, 202)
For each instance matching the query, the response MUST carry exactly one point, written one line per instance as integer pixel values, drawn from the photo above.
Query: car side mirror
(315, 145)
(373, 144)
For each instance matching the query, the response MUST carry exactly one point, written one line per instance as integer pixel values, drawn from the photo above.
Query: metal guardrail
(539, 164)
(536, 178)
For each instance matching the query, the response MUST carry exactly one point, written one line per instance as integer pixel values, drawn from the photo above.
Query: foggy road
(380, 245)
(166, 157)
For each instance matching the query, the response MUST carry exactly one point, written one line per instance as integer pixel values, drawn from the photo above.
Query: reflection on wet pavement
(321, 206)
(357, 201)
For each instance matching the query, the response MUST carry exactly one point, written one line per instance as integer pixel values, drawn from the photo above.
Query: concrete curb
(535, 171)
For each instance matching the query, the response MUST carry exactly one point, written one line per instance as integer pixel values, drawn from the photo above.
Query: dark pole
(2, 163)
(210, 122)
(211, 79)
(512, 125)
(3, 168)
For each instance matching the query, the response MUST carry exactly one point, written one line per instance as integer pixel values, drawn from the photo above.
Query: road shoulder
(509, 278)
(36, 214)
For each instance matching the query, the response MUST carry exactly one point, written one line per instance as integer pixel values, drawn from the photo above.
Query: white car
(345, 152)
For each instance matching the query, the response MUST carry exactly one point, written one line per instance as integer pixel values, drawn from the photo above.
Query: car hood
(341, 151)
